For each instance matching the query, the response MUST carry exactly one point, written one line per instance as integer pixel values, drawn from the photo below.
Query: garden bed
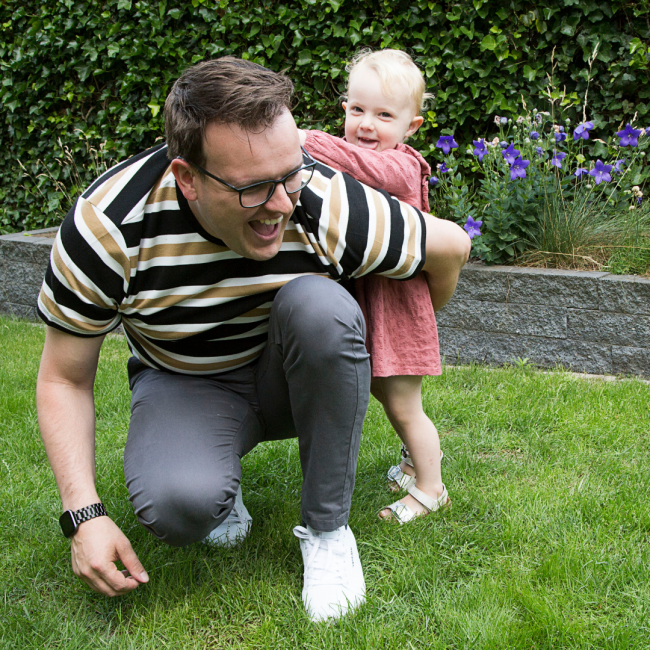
(592, 322)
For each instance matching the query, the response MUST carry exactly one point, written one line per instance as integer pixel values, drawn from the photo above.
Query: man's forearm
(66, 417)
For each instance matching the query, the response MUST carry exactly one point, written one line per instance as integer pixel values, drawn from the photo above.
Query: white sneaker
(236, 526)
(334, 581)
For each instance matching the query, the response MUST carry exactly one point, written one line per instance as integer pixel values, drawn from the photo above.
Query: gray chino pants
(188, 433)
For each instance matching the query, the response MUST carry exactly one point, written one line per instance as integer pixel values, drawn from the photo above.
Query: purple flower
(446, 143)
(510, 154)
(601, 172)
(629, 136)
(518, 168)
(473, 227)
(618, 166)
(503, 144)
(443, 168)
(480, 150)
(503, 120)
(560, 137)
(540, 151)
(534, 135)
(557, 159)
(539, 118)
(582, 131)
(581, 171)
(433, 181)
(561, 129)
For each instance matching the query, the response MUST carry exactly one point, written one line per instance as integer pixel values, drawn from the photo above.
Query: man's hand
(448, 248)
(96, 546)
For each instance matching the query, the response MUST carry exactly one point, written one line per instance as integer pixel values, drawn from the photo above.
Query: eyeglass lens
(254, 196)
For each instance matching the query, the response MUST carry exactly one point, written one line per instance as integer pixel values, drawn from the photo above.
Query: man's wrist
(70, 520)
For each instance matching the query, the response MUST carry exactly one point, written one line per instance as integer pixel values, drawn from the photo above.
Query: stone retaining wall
(23, 260)
(587, 322)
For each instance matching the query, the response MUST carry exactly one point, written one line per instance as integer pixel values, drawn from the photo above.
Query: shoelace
(326, 567)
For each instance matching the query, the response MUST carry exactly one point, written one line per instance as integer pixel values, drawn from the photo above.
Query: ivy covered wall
(85, 80)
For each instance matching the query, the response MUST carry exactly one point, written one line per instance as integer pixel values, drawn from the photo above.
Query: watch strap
(89, 512)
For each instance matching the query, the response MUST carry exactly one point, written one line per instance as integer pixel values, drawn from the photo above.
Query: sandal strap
(405, 456)
(398, 476)
(401, 512)
(432, 504)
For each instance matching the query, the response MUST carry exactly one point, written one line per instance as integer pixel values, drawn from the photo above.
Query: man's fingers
(131, 562)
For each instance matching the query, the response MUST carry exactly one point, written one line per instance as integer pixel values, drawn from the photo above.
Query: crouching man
(220, 253)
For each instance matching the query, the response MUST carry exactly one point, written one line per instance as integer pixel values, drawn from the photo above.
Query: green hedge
(77, 74)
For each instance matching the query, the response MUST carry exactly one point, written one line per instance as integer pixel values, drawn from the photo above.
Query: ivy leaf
(304, 57)
(488, 43)
(529, 73)
(155, 109)
(124, 4)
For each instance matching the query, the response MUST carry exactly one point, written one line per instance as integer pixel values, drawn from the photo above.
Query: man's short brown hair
(223, 91)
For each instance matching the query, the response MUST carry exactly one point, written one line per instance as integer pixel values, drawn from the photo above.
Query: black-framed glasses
(256, 194)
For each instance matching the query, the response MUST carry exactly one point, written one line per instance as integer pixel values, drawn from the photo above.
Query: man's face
(242, 158)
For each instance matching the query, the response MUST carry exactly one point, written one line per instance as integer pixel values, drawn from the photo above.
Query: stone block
(554, 288)
(19, 311)
(36, 251)
(484, 347)
(505, 318)
(631, 361)
(610, 328)
(480, 282)
(627, 294)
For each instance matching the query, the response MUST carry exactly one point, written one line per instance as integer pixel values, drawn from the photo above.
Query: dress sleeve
(88, 274)
(393, 171)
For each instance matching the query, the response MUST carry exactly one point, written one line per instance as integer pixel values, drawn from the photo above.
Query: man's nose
(280, 201)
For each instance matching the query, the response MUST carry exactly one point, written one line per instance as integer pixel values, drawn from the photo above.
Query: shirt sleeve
(357, 230)
(87, 276)
(393, 171)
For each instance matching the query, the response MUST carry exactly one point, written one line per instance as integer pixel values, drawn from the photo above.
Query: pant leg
(182, 456)
(313, 381)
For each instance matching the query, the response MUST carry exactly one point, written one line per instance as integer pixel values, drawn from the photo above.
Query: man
(218, 258)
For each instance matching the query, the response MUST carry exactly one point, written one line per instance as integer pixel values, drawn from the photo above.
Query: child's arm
(392, 171)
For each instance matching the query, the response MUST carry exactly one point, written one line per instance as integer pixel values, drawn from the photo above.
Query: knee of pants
(181, 510)
(320, 313)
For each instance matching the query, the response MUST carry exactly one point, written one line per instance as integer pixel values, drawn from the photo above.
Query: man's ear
(415, 124)
(185, 177)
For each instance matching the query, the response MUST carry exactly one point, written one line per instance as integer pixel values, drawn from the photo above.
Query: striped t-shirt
(130, 250)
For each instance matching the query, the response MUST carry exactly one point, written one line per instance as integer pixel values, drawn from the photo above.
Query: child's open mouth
(367, 143)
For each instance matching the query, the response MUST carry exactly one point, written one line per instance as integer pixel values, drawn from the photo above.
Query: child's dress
(402, 338)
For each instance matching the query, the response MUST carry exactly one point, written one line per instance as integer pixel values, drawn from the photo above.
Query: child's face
(374, 120)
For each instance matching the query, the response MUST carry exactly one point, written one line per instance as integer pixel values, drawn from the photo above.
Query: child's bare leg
(401, 397)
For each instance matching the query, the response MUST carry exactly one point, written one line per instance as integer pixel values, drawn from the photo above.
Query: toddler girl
(384, 100)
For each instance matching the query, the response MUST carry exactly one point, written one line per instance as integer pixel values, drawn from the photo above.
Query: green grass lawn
(546, 545)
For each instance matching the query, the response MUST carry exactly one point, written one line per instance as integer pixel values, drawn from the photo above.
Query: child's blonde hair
(393, 67)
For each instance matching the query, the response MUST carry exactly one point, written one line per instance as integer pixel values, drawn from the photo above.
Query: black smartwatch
(70, 519)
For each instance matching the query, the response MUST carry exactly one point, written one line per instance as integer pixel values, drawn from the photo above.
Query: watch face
(67, 522)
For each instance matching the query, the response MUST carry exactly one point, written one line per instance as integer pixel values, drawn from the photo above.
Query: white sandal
(404, 514)
(399, 480)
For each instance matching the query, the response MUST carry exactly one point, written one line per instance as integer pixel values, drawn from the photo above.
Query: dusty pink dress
(402, 337)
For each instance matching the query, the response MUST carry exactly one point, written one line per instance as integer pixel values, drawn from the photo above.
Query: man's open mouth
(266, 228)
